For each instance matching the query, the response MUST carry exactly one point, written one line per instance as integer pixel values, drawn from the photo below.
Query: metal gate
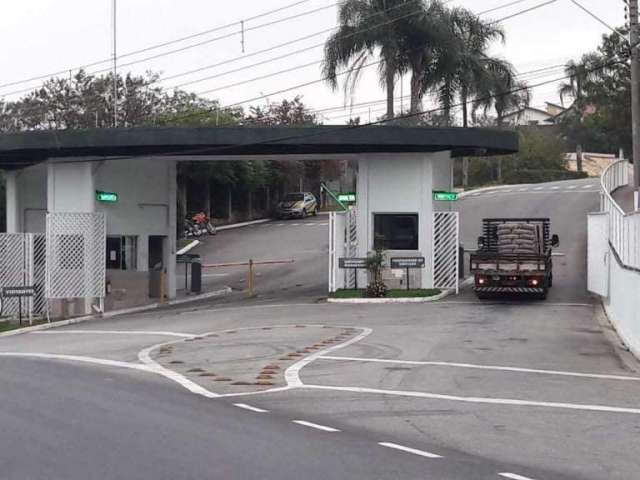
(75, 263)
(22, 264)
(446, 233)
(343, 242)
(351, 247)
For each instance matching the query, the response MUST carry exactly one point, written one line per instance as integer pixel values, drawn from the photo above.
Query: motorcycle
(204, 222)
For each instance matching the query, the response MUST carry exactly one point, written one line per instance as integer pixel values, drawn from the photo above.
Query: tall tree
(368, 29)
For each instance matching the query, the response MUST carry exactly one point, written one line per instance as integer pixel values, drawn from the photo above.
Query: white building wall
(622, 304)
(394, 183)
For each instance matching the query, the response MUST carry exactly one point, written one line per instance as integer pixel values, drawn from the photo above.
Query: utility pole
(635, 97)
(115, 67)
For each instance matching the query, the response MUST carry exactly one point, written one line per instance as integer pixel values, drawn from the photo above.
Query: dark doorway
(156, 252)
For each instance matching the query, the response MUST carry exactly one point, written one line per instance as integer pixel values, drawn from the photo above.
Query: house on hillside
(529, 116)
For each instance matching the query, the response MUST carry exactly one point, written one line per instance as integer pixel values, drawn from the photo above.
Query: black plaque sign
(12, 292)
(407, 262)
(352, 263)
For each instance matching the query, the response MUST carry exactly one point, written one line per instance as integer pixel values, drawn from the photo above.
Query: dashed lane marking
(402, 448)
(514, 476)
(324, 428)
(486, 367)
(587, 186)
(250, 408)
(523, 189)
(538, 188)
(113, 332)
(571, 187)
(480, 400)
(555, 188)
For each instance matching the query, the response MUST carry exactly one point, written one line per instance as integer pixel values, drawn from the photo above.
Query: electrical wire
(155, 46)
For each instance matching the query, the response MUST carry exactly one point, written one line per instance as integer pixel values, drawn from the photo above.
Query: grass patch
(8, 326)
(395, 293)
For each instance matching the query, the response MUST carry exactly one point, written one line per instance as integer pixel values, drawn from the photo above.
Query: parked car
(297, 205)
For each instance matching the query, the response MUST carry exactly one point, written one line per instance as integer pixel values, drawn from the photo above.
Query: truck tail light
(534, 282)
(482, 280)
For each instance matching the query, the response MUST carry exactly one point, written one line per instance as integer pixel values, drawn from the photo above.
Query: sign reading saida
(347, 197)
(108, 197)
(441, 196)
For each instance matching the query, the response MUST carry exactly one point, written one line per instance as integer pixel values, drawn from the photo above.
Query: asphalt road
(458, 389)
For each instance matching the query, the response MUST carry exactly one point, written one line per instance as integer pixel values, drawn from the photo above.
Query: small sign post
(407, 263)
(19, 292)
(353, 263)
(441, 196)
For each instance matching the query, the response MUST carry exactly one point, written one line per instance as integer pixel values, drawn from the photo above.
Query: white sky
(43, 36)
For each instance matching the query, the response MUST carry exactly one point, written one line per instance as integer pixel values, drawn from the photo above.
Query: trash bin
(196, 274)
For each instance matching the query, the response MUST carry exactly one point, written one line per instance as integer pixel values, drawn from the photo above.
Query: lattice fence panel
(76, 248)
(352, 245)
(22, 265)
(445, 250)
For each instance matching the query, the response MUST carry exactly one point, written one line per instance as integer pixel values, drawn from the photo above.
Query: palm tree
(367, 28)
(579, 75)
(473, 72)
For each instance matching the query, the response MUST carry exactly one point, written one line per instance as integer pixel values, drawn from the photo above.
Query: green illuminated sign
(108, 197)
(347, 197)
(445, 196)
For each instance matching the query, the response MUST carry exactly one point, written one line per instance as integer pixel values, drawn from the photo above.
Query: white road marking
(587, 186)
(292, 374)
(309, 224)
(538, 188)
(514, 476)
(250, 408)
(295, 224)
(482, 400)
(280, 225)
(571, 187)
(215, 275)
(114, 332)
(323, 224)
(487, 367)
(476, 194)
(316, 426)
(523, 189)
(77, 358)
(555, 188)
(422, 453)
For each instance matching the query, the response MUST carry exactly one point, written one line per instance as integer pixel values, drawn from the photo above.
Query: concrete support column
(12, 203)
(425, 239)
(363, 217)
(71, 187)
(143, 253)
(170, 250)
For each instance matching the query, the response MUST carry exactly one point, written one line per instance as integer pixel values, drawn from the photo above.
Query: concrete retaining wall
(622, 306)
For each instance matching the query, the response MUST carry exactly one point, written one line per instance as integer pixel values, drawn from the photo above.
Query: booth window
(122, 253)
(392, 231)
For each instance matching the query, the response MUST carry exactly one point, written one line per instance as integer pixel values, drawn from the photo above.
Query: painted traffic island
(247, 359)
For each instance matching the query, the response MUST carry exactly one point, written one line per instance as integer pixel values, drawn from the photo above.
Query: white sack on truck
(518, 238)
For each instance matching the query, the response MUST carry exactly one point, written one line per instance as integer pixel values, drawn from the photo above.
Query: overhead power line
(182, 39)
(599, 19)
(153, 47)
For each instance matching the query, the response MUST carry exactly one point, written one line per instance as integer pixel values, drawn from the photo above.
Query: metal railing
(624, 228)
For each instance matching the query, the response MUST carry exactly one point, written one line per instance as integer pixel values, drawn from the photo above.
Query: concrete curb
(115, 313)
(464, 283)
(391, 300)
(242, 224)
